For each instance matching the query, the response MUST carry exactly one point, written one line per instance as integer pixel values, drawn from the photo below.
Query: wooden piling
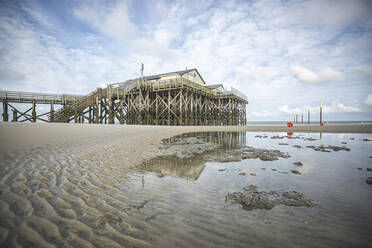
(15, 117)
(5, 111)
(33, 111)
(52, 111)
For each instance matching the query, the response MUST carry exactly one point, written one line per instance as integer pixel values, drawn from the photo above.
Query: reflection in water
(229, 140)
(176, 167)
(194, 212)
(192, 168)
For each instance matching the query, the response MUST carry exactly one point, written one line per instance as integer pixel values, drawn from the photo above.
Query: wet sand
(64, 184)
(20, 136)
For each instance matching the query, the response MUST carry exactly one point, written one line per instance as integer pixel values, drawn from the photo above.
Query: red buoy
(290, 124)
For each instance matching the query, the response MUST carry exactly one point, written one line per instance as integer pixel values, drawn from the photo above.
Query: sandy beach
(21, 136)
(63, 184)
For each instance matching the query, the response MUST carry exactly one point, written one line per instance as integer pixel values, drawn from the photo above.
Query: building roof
(175, 72)
(214, 86)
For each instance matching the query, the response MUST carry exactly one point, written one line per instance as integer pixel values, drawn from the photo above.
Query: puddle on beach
(216, 189)
(186, 196)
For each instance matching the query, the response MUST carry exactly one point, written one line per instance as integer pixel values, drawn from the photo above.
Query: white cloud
(368, 100)
(285, 109)
(264, 113)
(110, 20)
(38, 16)
(326, 75)
(364, 70)
(335, 107)
(338, 107)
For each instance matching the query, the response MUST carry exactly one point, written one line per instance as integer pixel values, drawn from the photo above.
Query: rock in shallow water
(250, 198)
(295, 172)
(369, 180)
(246, 152)
(328, 148)
(298, 163)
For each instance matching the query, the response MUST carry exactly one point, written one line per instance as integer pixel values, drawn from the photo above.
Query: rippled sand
(64, 185)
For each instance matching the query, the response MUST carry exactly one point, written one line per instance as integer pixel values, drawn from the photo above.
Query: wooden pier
(156, 100)
(10, 97)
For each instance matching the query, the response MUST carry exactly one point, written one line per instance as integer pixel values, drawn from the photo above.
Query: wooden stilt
(121, 113)
(5, 111)
(33, 111)
(15, 117)
(52, 111)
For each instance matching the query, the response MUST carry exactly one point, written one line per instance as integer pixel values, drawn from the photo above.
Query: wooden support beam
(121, 112)
(5, 111)
(15, 117)
(96, 111)
(156, 108)
(52, 111)
(33, 111)
(168, 106)
(111, 117)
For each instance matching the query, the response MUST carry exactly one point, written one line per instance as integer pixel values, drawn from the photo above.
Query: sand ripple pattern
(54, 197)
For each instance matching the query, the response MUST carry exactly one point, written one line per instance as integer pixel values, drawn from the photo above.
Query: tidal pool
(183, 200)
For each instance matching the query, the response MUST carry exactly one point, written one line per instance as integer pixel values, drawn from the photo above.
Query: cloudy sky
(284, 55)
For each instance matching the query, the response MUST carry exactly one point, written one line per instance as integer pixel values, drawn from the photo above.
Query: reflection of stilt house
(189, 169)
(176, 98)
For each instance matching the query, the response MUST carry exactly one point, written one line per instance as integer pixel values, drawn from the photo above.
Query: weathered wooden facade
(166, 99)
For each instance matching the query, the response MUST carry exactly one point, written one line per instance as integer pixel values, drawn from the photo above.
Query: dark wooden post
(96, 111)
(52, 112)
(181, 98)
(157, 108)
(15, 117)
(33, 111)
(308, 116)
(90, 115)
(121, 114)
(111, 117)
(111, 112)
(169, 97)
(5, 111)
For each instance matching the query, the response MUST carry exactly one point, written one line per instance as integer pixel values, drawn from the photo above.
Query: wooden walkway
(8, 97)
(43, 98)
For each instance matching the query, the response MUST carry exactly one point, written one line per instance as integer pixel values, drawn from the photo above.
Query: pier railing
(181, 82)
(29, 97)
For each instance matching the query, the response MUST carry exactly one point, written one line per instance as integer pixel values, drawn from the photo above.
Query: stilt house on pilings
(175, 98)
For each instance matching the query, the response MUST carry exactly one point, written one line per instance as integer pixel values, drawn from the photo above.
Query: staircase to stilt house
(66, 113)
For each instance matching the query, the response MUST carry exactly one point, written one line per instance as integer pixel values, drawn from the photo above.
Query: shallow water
(186, 207)
(57, 196)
